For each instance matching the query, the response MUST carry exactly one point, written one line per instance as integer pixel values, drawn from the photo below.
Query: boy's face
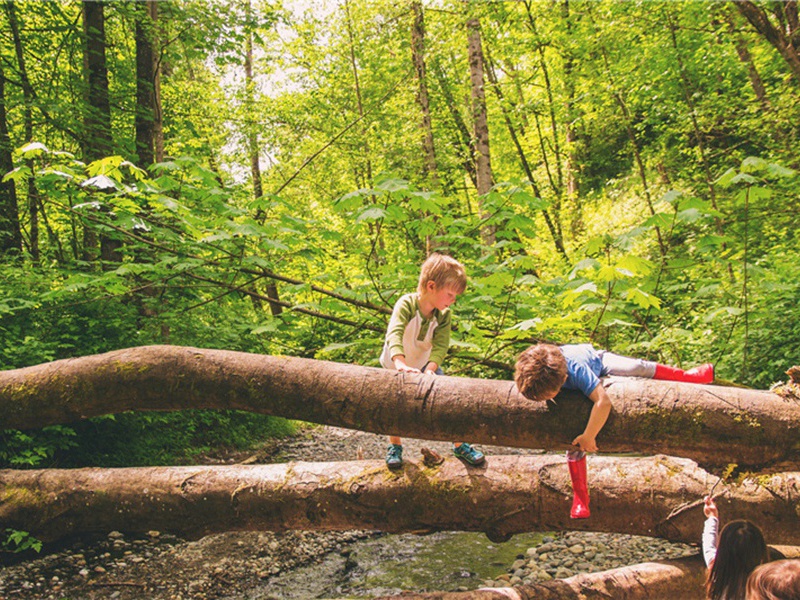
(548, 395)
(441, 297)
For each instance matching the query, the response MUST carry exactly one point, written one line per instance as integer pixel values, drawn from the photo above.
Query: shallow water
(389, 564)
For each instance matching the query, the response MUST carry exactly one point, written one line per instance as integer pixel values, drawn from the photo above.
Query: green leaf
(371, 213)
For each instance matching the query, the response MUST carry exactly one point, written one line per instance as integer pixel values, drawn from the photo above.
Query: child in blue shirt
(542, 370)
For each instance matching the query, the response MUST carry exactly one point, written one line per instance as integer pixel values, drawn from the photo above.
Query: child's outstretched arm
(597, 418)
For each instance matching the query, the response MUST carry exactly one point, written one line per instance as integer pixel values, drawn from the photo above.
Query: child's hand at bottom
(585, 443)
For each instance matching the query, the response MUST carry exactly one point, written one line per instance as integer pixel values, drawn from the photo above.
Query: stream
(389, 564)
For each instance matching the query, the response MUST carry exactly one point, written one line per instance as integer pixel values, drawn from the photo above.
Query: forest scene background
(267, 178)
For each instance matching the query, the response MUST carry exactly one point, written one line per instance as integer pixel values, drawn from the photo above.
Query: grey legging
(625, 366)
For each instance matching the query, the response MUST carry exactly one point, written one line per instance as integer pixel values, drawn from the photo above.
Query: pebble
(566, 554)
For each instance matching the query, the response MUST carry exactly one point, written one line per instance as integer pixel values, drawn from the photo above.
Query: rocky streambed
(256, 565)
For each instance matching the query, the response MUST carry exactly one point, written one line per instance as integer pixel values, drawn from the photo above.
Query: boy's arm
(440, 343)
(597, 418)
(399, 361)
(401, 315)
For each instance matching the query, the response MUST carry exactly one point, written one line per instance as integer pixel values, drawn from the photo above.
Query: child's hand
(585, 443)
(406, 369)
(709, 508)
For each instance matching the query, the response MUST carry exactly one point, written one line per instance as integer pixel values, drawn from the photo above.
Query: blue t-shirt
(584, 367)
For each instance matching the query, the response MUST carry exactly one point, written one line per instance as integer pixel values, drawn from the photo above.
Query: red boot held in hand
(702, 374)
(576, 460)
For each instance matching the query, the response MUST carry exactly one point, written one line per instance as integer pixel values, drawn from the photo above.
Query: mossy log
(683, 578)
(713, 425)
(656, 496)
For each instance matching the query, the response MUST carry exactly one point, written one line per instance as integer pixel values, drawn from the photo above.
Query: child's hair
(540, 369)
(779, 580)
(741, 549)
(443, 271)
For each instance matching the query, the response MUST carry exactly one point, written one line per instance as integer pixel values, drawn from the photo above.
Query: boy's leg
(625, 366)
(701, 374)
(468, 453)
(615, 364)
(463, 450)
(576, 460)
(394, 455)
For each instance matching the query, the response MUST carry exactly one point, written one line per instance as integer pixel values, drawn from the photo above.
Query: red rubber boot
(580, 491)
(702, 374)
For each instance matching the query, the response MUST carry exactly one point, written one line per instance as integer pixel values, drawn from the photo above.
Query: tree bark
(418, 58)
(483, 168)
(28, 95)
(97, 121)
(714, 425)
(10, 231)
(786, 40)
(145, 83)
(462, 141)
(558, 239)
(656, 496)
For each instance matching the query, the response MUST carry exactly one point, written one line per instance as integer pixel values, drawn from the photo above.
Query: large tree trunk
(655, 496)
(714, 425)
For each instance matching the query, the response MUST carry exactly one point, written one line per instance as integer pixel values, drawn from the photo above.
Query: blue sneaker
(394, 457)
(469, 454)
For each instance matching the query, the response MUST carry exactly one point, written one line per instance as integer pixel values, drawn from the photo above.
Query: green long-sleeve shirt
(419, 339)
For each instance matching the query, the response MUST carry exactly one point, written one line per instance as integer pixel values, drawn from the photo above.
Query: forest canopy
(267, 177)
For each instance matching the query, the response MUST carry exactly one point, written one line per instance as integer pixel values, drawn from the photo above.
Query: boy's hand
(401, 365)
(585, 442)
(709, 508)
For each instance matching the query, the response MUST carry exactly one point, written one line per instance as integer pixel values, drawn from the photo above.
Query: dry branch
(713, 425)
(653, 496)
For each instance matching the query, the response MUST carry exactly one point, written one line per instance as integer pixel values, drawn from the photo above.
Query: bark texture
(714, 425)
(655, 496)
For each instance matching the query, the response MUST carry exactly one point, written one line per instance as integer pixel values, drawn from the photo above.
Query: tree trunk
(463, 142)
(27, 94)
(714, 425)
(253, 149)
(656, 496)
(786, 40)
(483, 161)
(558, 240)
(10, 232)
(418, 58)
(97, 121)
(145, 84)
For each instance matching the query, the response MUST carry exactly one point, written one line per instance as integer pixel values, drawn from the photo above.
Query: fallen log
(655, 496)
(713, 425)
(682, 578)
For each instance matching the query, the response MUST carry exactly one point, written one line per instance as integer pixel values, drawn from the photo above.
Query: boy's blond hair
(443, 271)
(541, 369)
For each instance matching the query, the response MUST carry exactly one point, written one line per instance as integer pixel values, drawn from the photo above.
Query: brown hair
(779, 580)
(540, 369)
(741, 549)
(443, 271)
